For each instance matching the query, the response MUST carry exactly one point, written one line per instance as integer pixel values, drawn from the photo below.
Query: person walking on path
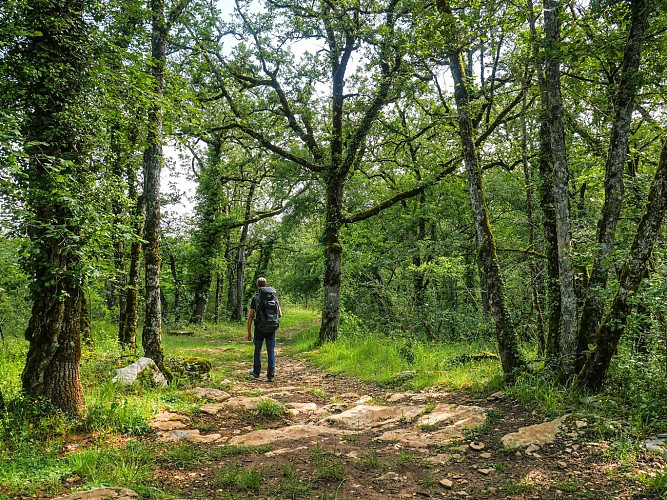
(265, 315)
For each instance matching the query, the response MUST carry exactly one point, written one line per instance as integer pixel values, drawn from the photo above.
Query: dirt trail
(340, 438)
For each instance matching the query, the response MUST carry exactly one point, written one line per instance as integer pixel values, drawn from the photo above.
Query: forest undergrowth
(42, 451)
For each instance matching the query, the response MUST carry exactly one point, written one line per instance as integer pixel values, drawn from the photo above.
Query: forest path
(311, 434)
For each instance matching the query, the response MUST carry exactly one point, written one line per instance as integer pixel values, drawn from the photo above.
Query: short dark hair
(261, 281)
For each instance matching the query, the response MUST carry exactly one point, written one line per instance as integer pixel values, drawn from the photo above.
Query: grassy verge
(394, 361)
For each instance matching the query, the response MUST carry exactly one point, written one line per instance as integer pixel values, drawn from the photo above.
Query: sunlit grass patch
(240, 478)
(269, 408)
(380, 359)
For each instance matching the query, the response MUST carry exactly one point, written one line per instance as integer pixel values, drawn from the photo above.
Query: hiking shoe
(270, 379)
(252, 372)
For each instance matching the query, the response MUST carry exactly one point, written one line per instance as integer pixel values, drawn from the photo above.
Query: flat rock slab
(457, 416)
(306, 409)
(242, 402)
(167, 421)
(189, 435)
(449, 422)
(657, 444)
(209, 393)
(101, 493)
(366, 417)
(538, 434)
(291, 433)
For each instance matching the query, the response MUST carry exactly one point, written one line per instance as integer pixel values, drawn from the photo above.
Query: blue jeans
(270, 351)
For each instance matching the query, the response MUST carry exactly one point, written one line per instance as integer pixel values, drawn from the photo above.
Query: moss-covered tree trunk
(547, 204)
(127, 333)
(507, 342)
(53, 69)
(559, 166)
(613, 323)
(628, 86)
(332, 260)
(237, 311)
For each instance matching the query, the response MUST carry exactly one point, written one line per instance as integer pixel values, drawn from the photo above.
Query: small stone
(485, 455)
(476, 445)
(462, 493)
(532, 449)
(486, 472)
(580, 424)
(496, 396)
(562, 465)
(446, 483)
(72, 479)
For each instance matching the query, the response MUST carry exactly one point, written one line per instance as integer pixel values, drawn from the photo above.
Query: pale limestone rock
(365, 417)
(532, 448)
(539, 434)
(307, 409)
(457, 416)
(284, 451)
(189, 435)
(440, 459)
(486, 472)
(209, 393)
(212, 408)
(166, 416)
(101, 494)
(168, 425)
(128, 375)
(447, 483)
(291, 433)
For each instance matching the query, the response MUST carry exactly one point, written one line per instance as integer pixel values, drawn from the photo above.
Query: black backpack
(267, 318)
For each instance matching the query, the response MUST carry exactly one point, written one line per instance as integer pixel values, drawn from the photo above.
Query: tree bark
(613, 323)
(568, 301)
(178, 284)
(547, 203)
(127, 336)
(507, 342)
(629, 85)
(332, 261)
(53, 73)
(237, 311)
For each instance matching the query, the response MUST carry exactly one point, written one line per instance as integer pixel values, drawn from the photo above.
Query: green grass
(380, 359)
(240, 478)
(269, 408)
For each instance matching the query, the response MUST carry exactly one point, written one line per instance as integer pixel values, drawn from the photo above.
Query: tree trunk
(53, 72)
(628, 87)
(127, 336)
(332, 260)
(178, 284)
(507, 342)
(218, 297)
(547, 203)
(52, 365)
(568, 300)
(613, 323)
(237, 311)
(152, 163)
(536, 281)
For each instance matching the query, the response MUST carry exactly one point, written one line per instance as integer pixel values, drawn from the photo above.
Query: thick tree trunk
(53, 73)
(613, 323)
(507, 342)
(202, 288)
(85, 328)
(332, 261)
(628, 87)
(568, 300)
(52, 365)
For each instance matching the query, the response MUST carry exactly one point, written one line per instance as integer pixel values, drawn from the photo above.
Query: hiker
(265, 313)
